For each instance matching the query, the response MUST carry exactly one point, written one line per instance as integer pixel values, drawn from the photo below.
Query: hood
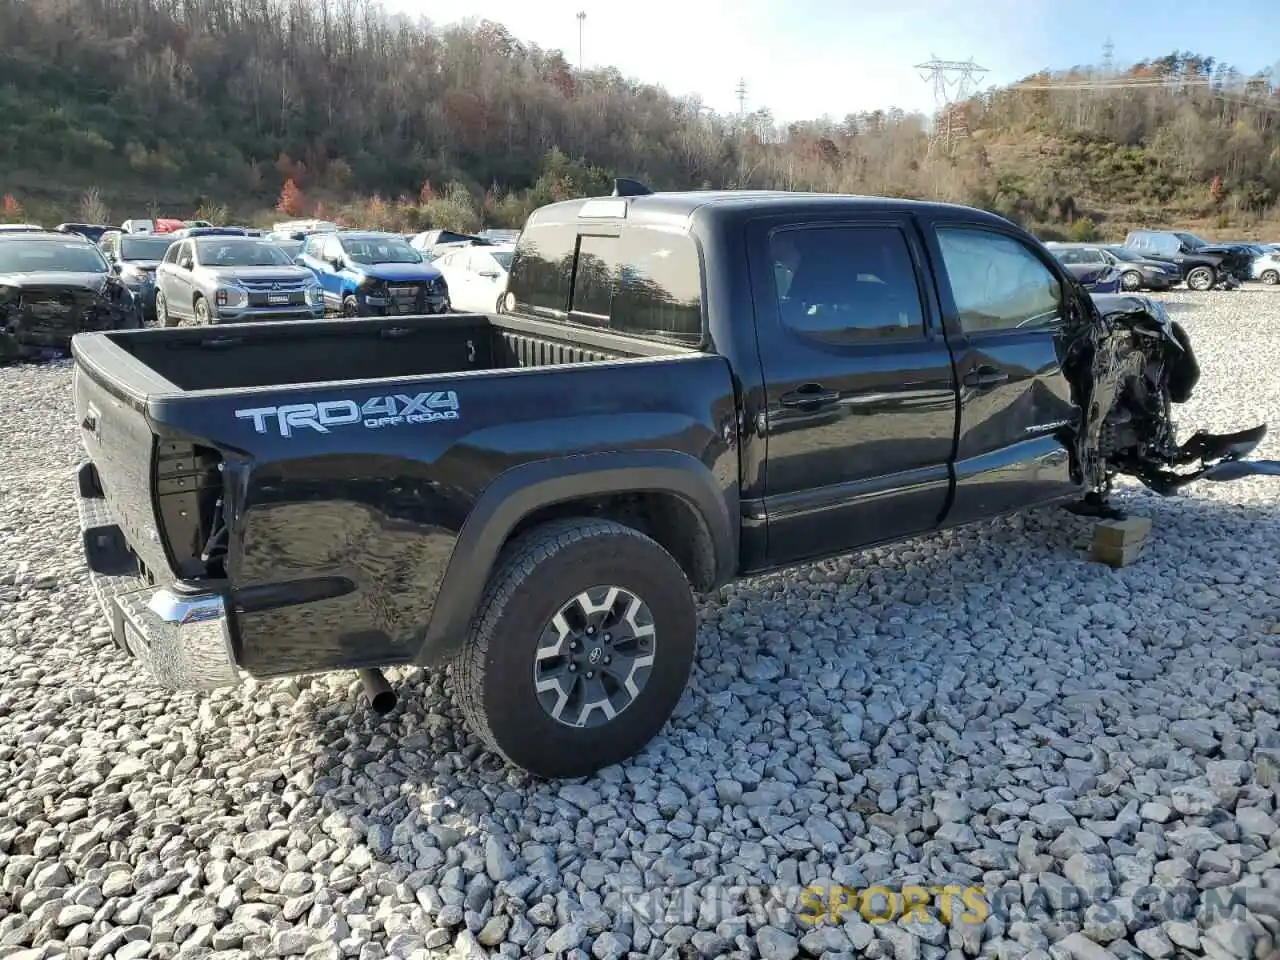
(399, 271)
(96, 282)
(1115, 306)
(41, 312)
(278, 273)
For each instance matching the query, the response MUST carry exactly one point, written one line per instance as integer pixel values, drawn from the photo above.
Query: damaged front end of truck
(1128, 363)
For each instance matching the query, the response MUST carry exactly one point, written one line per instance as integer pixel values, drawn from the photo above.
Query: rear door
(1003, 301)
(860, 412)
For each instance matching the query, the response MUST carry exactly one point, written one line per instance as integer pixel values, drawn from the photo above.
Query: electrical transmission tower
(582, 19)
(740, 91)
(952, 81)
(1108, 59)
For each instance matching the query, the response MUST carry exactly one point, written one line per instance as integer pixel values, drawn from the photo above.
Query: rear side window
(643, 283)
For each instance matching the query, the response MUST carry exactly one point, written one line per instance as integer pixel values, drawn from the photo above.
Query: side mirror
(300, 260)
(115, 266)
(335, 262)
(186, 263)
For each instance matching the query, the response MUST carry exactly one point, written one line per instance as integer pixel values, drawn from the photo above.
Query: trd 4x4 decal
(393, 410)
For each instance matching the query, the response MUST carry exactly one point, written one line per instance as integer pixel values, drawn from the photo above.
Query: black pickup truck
(684, 388)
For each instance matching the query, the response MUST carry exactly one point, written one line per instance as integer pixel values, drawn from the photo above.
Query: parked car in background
(90, 231)
(500, 236)
(216, 278)
(1202, 266)
(138, 226)
(1266, 267)
(168, 225)
(135, 257)
(21, 228)
(1090, 267)
(435, 243)
(287, 243)
(368, 273)
(197, 223)
(304, 226)
(187, 232)
(477, 277)
(1138, 272)
(52, 286)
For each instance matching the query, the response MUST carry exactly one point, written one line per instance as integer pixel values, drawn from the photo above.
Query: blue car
(371, 274)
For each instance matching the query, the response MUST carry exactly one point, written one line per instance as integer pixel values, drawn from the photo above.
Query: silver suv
(230, 279)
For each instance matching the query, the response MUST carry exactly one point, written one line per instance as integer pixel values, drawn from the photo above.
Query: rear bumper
(181, 636)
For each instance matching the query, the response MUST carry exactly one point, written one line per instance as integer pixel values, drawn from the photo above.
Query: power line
(953, 81)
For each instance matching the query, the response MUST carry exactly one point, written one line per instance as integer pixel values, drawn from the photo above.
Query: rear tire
(580, 649)
(162, 311)
(204, 316)
(1270, 277)
(1200, 278)
(350, 306)
(1130, 281)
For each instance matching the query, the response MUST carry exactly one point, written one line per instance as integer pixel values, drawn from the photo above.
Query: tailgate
(151, 489)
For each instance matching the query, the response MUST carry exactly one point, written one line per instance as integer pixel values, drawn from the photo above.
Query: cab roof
(681, 208)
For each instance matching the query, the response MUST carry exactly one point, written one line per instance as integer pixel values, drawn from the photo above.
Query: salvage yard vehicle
(1090, 267)
(219, 278)
(135, 257)
(367, 273)
(53, 286)
(685, 388)
(1204, 266)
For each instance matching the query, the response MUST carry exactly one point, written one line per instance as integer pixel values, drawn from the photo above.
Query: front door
(861, 401)
(1003, 305)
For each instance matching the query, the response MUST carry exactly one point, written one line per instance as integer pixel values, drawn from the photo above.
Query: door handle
(810, 395)
(985, 376)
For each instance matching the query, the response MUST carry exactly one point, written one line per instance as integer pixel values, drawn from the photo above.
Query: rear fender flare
(520, 491)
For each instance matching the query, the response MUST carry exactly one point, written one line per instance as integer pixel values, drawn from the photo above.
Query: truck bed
(317, 474)
(325, 351)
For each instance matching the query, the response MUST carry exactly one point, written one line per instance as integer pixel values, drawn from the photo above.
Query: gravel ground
(1099, 749)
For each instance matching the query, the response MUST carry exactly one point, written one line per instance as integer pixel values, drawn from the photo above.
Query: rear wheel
(1130, 280)
(350, 306)
(580, 649)
(1200, 278)
(1270, 277)
(204, 316)
(162, 311)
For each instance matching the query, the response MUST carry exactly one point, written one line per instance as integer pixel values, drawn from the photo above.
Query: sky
(806, 58)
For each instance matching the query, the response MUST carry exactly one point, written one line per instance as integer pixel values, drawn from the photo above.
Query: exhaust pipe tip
(381, 697)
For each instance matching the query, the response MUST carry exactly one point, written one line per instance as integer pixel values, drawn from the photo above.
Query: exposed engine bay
(39, 313)
(1128, 366)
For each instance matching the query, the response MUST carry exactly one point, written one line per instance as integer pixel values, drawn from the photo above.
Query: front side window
(846, 283)
(997, 283)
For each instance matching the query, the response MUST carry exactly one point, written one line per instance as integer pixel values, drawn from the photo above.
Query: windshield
(37, 256)
(240, 252)
(1191, 241)
(504, 260)
(292, 248)
(143, 248)
(380, 250)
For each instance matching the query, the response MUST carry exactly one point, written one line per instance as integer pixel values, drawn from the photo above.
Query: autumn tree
(10, 208)
(291, 200)
(1216, 192)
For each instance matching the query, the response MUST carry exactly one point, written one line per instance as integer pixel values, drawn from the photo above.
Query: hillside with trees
(332, 107)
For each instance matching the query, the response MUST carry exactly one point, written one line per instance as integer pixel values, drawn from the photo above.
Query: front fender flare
(521, 490)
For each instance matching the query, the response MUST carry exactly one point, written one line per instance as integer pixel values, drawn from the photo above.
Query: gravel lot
(982, 707)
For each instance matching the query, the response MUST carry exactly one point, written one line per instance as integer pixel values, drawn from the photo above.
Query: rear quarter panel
(340, 539)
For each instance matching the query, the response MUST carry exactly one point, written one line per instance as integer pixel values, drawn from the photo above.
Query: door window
(847, 283)
(997, 283)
